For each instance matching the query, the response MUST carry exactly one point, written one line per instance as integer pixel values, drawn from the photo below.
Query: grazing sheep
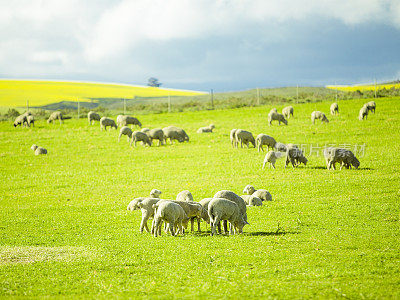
(128, 120)
(318, 115)
(175, 133)
(125, 131)
(146, 206)
(193, 210)
(209, 128)
(104, 122)
(133, 205)
(172, 214)
(138, 136)
(57, 115)
(220, 209)
(295, 156)
(271, 158)
(156, 134)
(280, 147)
(92, 116)
(185, 196)
(287, 111)
(371, 106)
(264, 195)
(274, 116)
(345, 157)
(155, 193)
(21, 120)
(38, 150)
(252, 200)
(235, 198)
(244, 137)
(31, 120)
(233, 138)
(334, 109)
(204, 214)
(363, 113)
(263, 139)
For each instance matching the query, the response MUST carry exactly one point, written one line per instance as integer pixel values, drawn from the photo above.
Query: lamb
(371, 106)
(21, 120)
(175, 133)
(185, 196)
(54, 116)
(138, 136)
(334, 109)
(92, 116)
(222, 209)
(146, 206)
(235, 198)
(263, 139)
(31, 120)
(287, 111)
(295, 156)
(271, 158)
(171, 213)
(133, 205)
(363, 112)
(274, 116)
(233, 138)
(264, 195)
(208, 128)
(38, 150)
(128, 120)
(125, 131)
(318, 115)
(343, 156)
(104, 122)
(156, 134)
(193, 210)
(252, 200)
(244, 137)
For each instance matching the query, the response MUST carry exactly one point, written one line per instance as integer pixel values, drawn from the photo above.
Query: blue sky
(203, 44)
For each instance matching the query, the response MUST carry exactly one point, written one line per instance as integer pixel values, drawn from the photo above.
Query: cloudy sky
(202, 44)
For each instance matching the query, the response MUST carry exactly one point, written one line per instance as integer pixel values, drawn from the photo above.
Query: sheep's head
(134, 204)
(212, 126)
(249, 189)
(155, 193)
(355, 162)
(303, 159)
(34, 147)
(285, 121)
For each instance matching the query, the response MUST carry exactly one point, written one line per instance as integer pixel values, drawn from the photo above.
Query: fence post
(212, 99)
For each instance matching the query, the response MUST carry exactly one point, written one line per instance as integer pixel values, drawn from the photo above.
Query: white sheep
(334, 109)
(133, 205)
(320, 116)
(128, 120)
(263, 139)
(264, 195)
(146, 206)
(220, 209)
(345, 157)
(138, 136)
(271, 158)
(185, 196)
(57, 115)
(235, 198)
(363, 112)
(175, 133)
(21, 120)
(125, 131)
(92, 116)
(274, 116)
(244, 137)
(208, 128)
(233, 138)
(172, 214)
(156, 134)
(38, 150)
(252, 200)
(371, 105)
(107, 122)
(295, 156)
(287, 111)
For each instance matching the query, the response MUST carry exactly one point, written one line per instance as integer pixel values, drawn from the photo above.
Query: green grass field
(65, 230)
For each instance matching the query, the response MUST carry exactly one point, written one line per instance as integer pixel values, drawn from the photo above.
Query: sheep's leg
(292, 160)
(156, 224)
(119, 137)
(143, 222)
(219, 227)
(192, 224)
(225, 226)
(230, 229)
(273, 164)
(198, 224)
(287, 161)
(215, 222)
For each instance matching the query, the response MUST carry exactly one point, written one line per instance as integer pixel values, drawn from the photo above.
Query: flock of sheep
(224, 206)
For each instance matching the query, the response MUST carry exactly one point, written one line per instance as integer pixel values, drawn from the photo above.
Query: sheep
(133, 205)
(21, 120)
(126, 120)
(92, 116)
(287, 111)
(274, 116)
(252, 200)
(38, 150)
(193, 210)
(146, 206)
(208, 128)
(138, 136)
(371, 106)
(156, 134)
(155, 193)
(233, 138)
(222, 209)
(125, 131)
(363, 112)
(334, 109)
(171, 213)
(264, 195)
(263, 139)
(235, 198)
(280, 147)
(185, 196)
(31, 120)
(318, 115)
(104, 122)
(175, 133)
(54, 116)
(271, 157)
(345, 157)
(244, 137)
(295, 156)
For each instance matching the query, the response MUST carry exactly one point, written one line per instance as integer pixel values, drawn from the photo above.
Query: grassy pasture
(65, 231)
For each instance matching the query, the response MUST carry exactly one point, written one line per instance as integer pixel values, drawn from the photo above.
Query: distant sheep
(371, 106)
(125, 131)
(175, 133)
(156, 134)
(295, 156)
(318, 115)
(128, 120)
(21, 120)
(208, 128)
(252, 200)
(92, 116)
(233, 138)
(171, 213)
(57, 115)
(363, 113)
(334, 109)
(235, 198)
(107, 122)
(345, 157)
(287, 111)
(271, 158)
(263, 139)
(273, 116)
(244, 137)
(38, 150)
(264, 195)
(138, 136)
(185, 196)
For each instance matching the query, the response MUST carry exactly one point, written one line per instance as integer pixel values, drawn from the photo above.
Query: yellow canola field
(15, 93)
(371, 87)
